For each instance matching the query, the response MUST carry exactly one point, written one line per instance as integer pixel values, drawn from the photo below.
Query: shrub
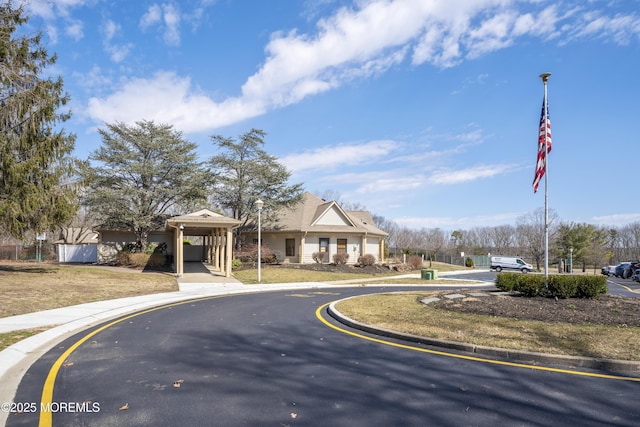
(151, 248)
(236, 264)
(414, 261)
(592, 286)
(340, 258)
(131, 247)
(469, 262)
(558, 286)
(122, 258)
(366, 260)
(506, 282)
(157, 260)
(563, 286)
(531, 285)
(318, 257)
(249, 253)
(139, 259)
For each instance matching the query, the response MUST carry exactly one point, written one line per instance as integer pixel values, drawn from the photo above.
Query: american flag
(544, 131)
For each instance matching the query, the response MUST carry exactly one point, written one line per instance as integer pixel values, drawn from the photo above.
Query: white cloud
(469, 174)
(118, 52)
(167, 17)
(75, 30)
(458, 223)
(172, 25)
(168, 98)
(151, 17)
(360, 153)
(616, 220)
(354, 43)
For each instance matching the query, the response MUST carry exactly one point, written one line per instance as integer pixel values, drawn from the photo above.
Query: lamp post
(570, 260)
(259, 205)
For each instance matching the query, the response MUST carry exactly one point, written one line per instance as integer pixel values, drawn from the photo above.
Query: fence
(44, 252)
(78, 253)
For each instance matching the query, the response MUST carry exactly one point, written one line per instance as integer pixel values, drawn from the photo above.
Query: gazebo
(216, 231)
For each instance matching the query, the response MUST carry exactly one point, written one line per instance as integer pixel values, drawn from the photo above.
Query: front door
(324, 248)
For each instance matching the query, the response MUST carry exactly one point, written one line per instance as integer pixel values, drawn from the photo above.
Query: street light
(259, 205)
(570, 260)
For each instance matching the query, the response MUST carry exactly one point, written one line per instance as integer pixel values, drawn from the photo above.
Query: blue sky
(425, 111)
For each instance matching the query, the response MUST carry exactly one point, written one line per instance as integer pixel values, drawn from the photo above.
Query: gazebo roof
(201, 222)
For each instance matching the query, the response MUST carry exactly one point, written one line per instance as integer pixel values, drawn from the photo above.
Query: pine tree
(35, 156)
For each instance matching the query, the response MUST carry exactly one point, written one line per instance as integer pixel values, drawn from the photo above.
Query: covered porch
(217, 234)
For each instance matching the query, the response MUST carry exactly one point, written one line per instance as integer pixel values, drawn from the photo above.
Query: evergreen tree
(245, 172)
(141, 174)
(35, 156)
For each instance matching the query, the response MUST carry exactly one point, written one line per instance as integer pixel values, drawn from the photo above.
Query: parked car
(609, 270)
(621, 268)
(635, 265)
(636, 275)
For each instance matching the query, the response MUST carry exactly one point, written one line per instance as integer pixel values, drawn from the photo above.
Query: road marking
(633, 291)
(465, 357)
(46, 417)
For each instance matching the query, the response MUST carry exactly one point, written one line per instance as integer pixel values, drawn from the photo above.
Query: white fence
(78, 253)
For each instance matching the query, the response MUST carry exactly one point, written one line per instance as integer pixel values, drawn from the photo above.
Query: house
(312, 226)
(318, 226)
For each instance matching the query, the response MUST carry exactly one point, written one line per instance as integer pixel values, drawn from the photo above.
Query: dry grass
(403, 312)
(26, 288)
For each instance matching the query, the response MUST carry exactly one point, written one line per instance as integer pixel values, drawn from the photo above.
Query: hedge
(559, 286)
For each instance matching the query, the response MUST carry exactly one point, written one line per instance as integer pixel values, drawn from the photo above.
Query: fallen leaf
(178, 383)
(67, 364)
(294, 415)
(124, 407)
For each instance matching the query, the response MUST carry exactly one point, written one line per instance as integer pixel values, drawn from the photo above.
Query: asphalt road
(267, 359)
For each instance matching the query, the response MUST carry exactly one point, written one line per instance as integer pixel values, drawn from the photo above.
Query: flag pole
(545, 78)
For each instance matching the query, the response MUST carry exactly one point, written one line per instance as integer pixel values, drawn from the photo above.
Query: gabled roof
(203, 216)
(317, 215)
(201, 222)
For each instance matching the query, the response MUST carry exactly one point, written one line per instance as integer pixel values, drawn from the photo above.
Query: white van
(499, 263)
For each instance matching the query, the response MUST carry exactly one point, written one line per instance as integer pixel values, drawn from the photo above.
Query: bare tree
(503, 238)
(531, 230)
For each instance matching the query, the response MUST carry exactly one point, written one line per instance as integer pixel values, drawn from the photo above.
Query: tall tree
(244, 173)
(35, 156)
(142, 173)
(530, 231)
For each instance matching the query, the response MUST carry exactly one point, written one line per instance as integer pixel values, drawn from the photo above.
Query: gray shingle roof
(305, 216)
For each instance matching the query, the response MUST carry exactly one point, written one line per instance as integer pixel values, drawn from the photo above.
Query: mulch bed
(606, 310)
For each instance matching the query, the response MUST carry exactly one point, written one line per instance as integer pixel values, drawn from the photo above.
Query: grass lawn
(29, 287)
(26, 288)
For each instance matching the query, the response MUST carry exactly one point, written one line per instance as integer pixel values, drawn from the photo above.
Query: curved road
(267, 359)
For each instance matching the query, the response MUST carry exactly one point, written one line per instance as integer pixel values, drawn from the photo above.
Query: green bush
(592, 287)
(506, 282)
(559, 286)
(151, 248)
(236, 264)
(469, 262)
(531, 285)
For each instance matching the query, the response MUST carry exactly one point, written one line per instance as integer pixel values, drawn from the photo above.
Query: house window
(290, 247)
(342, 246)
